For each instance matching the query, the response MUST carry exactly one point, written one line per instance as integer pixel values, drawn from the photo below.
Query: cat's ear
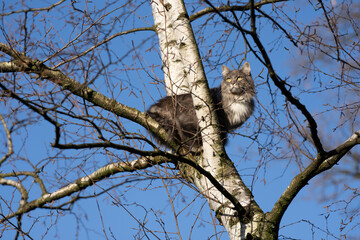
(246, 68)
(225, 70)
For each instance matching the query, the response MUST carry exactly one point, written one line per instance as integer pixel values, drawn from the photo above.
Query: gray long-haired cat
(233, 101)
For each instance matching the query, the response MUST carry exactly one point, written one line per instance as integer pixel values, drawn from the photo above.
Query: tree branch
(311, 171)
(228, 8)
(27, 173)
(96, 45)
(9, 67)
(9, 141)
(34, 9)
(335, 155)
(21, 188)
(83, 182)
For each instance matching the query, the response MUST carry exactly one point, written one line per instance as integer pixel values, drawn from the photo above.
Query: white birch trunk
(175, 76)
(181, 64)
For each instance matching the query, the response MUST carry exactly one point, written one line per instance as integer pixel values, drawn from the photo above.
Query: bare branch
(27, 173)
(97, 45)
(18, 229)
(34, 9)
(80, 183)
(19, 186)
(331, 29)
(314, 168)
(228, 8)
(336, 154)
(9, 141)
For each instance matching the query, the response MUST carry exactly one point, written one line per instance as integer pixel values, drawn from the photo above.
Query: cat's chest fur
(237, 110)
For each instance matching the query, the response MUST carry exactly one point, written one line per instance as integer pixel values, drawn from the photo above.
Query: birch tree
(81, 75)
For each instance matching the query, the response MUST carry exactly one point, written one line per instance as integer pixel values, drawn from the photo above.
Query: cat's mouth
(237, 91)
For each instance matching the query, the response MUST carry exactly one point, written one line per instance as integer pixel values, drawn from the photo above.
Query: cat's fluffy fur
(233, 101)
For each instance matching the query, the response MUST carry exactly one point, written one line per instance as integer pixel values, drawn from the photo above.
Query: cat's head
(238, 81)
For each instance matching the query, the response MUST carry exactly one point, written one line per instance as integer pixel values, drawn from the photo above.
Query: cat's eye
(239, 79)
(229, 80)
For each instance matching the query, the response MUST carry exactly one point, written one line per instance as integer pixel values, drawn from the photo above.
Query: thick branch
(9, 67)
(84, 182)
(311, 171)
(336, 154)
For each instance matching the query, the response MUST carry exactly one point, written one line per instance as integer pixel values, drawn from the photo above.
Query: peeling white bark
(8, 67)
(165, 18)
